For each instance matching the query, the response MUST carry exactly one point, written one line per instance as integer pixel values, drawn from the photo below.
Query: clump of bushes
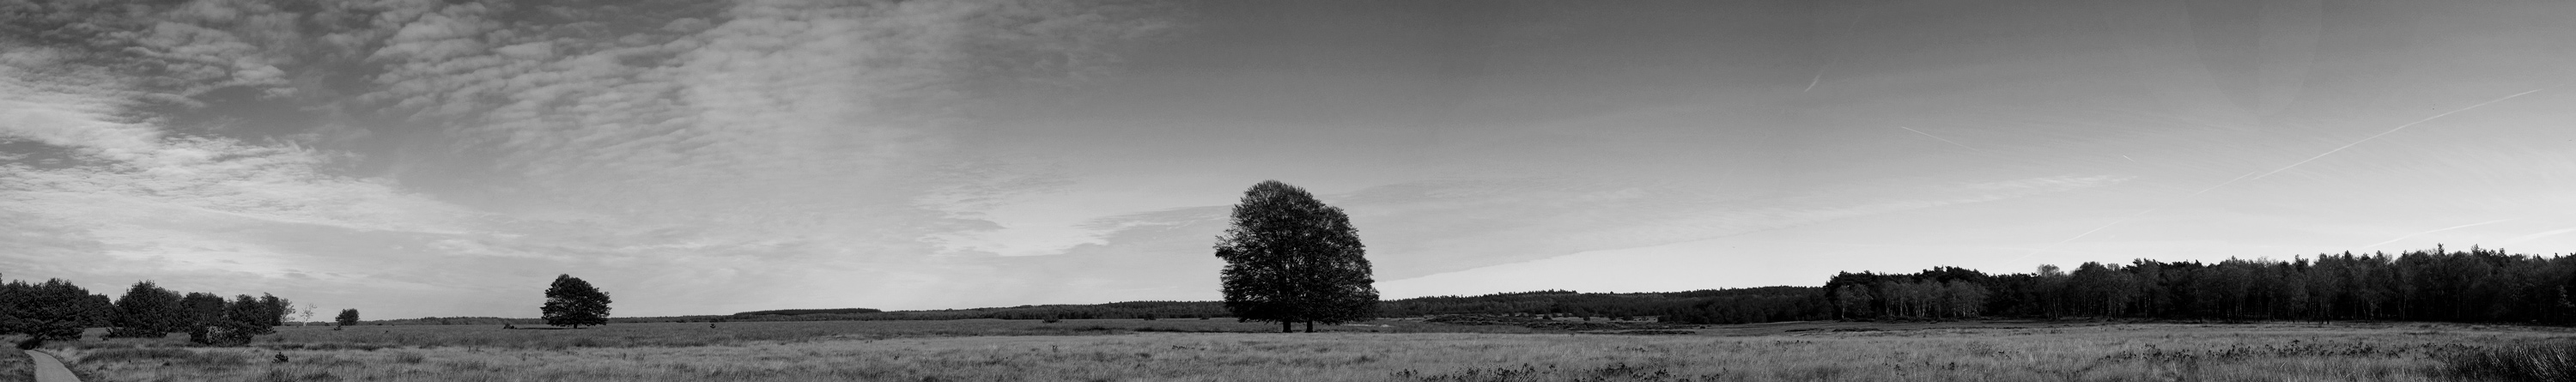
(2539, 362)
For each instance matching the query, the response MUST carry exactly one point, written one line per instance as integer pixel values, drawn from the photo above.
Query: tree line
(149, 311)
(2478, 285)
(59, 310)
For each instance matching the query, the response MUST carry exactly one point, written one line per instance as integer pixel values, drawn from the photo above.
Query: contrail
(2131, 160)
(1943, 140)
(2438, 230)
(2224, 184)
(1829, 62)
(2399, 127)
(2087, 233)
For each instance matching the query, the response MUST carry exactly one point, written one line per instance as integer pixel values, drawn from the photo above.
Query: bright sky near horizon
(415, 158)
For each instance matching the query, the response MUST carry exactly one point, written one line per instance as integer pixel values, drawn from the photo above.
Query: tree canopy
(347, 317)
(147, 311)
(571, 302)
(53, 310)
(1291, 258)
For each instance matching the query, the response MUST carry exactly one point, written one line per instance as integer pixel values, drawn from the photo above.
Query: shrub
(134, 333)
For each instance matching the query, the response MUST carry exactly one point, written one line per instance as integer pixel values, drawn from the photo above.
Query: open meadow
(1223, 350)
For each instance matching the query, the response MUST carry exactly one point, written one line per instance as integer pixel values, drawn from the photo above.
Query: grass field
(1217, 350)
(15, 367)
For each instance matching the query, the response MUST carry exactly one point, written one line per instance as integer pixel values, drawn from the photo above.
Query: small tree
(204, 315)
(307, 314)
(241, 319)
(1291, 258)
(278, 310)
(573, 303)
(347, 317)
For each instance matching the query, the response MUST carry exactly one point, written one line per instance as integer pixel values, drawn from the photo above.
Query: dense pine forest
(2477, 285)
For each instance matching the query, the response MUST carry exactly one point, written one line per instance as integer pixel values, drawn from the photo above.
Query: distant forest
(2478, 285)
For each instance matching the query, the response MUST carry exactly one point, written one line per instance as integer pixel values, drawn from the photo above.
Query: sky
(449, 158)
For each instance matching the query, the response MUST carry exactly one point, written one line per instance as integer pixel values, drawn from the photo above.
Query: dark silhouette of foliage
(98, 310)
(53, 310)
(571, 302)
(276, 308)
(2479, 285)
(800, 312)
(58, 310)
(203, 313)
(147, 311)
(1291, 258)
(240, 319)
(347, 317)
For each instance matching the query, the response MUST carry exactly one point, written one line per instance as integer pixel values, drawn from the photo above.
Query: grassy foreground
(1019, 350)
(15, 366)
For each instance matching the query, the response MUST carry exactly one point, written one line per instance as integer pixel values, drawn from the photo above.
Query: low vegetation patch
(2538, 362)
(17, 367)
(1544, 323)
(1615, 372)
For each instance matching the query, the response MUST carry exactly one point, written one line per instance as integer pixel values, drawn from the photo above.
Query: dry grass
(17, 367)
(2527, 362)
(2117, 352)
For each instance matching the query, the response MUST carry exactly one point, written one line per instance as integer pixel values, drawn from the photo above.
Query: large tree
(574, 303)
(147, 311)
(347, 317)
(1291, 258)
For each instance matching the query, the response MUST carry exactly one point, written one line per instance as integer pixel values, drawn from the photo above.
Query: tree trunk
(1284, 327)
(1310, 326)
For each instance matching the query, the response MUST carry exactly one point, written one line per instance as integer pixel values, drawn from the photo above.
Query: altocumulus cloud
(693, 157)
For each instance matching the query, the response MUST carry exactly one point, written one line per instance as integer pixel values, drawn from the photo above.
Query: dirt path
(49, 369)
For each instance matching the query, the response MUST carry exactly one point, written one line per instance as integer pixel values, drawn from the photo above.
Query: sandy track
(49, 369)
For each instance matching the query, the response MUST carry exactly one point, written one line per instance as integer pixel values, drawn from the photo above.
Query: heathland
(1385, 350)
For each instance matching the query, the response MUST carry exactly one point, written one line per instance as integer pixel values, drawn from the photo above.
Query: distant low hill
(1776, 303)
(800, 312)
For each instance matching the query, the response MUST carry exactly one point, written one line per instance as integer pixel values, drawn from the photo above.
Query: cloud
(694, 157)
(780, 118)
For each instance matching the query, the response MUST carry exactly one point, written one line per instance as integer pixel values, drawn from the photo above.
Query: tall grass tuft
(2541, 362)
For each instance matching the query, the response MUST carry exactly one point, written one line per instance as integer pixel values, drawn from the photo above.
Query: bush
(134, 333)
(2554, 361)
